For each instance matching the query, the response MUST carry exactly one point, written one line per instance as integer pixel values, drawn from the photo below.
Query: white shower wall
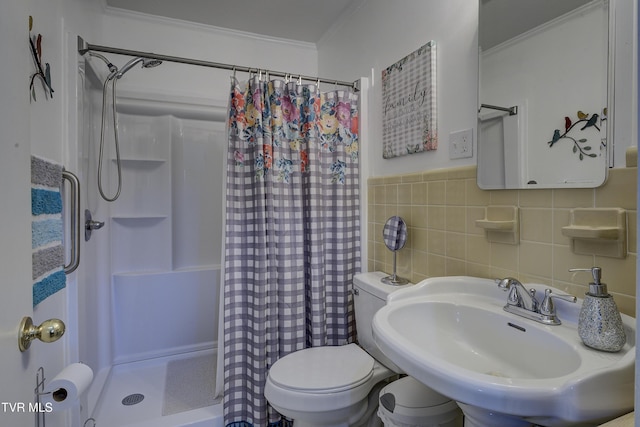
(169, 213)
(149, 280)
(166, 231)
(199, 159)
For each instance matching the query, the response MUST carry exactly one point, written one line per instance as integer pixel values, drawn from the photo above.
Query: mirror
(548, 59)
(394, 235)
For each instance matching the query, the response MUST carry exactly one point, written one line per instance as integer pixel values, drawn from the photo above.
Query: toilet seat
(320, 370)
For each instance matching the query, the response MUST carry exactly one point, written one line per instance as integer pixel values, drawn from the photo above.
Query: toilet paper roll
(65, 388)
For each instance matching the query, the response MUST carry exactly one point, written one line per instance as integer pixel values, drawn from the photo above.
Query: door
(17, 376)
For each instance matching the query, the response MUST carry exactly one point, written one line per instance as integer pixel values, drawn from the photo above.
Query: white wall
(377, 34)
(625, 104)
(177, 38)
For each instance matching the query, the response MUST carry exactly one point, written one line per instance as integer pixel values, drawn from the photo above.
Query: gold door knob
(49, 331)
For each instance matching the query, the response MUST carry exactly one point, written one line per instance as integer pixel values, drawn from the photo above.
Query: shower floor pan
(138, 393)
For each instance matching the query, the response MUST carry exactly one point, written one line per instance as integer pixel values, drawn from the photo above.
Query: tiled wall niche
(441, 207)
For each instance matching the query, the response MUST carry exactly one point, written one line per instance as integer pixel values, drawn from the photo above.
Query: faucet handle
(514, 298)
(547, 307)
(534, 300)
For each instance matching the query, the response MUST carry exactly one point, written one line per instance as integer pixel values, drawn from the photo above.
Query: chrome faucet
(518, 294)
(523, 302)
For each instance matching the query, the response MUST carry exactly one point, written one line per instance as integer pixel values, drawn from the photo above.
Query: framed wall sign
(409, 110)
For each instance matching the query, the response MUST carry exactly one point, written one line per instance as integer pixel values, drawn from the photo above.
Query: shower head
(150, 63)
(146, 63)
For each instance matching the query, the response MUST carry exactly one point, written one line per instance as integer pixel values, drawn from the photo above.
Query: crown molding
(196, 26)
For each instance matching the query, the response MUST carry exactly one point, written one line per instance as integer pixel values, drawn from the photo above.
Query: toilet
(336, 386)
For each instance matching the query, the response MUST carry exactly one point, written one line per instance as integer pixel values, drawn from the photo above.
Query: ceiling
(302, 20)
(308, 20)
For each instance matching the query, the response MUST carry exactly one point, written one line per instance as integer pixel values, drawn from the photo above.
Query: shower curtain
(292, 233)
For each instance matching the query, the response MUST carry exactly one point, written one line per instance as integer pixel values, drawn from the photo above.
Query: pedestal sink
(452, 334)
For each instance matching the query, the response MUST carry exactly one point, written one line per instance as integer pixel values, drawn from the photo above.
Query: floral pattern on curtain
(292, 233)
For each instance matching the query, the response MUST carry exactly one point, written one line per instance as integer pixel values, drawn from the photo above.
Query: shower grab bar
(75, 220)
(511, 110)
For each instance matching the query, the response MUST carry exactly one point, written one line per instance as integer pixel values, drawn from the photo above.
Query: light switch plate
(461, 144)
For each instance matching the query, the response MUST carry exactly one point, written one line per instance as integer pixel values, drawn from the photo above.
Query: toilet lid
(323, 369)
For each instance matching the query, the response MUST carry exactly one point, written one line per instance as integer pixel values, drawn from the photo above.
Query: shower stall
(149, 280)
(149, 283)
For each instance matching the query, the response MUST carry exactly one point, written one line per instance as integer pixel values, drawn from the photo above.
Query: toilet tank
(370, 295)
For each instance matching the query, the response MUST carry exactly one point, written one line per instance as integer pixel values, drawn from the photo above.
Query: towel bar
(511, 110)
(75, 221)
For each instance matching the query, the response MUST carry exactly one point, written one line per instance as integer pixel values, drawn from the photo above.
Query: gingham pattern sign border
(409, 109)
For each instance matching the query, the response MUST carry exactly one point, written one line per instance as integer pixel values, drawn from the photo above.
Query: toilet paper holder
(49, 331)
(40, 391)
(64, 390)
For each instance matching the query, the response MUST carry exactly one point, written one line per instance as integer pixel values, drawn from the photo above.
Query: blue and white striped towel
(46, 229)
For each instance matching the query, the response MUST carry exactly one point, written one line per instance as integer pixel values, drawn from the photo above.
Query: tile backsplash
(441, 207)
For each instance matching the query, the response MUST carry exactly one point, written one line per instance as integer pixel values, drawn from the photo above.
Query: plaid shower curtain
(292, 233)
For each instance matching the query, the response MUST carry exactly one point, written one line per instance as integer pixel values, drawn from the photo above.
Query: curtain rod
(84, 47)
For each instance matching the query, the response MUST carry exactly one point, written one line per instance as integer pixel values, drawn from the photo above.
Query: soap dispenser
(599, 324)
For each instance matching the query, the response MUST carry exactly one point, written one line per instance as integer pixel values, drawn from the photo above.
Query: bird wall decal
(579, 147)
(44, 75)
(591, 122)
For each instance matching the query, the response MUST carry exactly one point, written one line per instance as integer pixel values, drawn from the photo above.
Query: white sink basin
(452, 334)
